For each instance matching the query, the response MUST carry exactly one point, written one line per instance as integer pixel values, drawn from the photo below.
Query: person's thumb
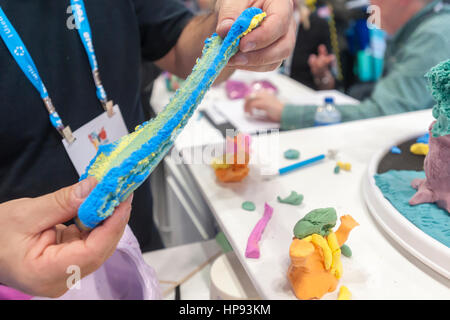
(228, 12)
(60, 206)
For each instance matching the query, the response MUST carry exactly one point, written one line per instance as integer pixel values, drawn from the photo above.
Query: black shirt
(308, 42)
(33, 160)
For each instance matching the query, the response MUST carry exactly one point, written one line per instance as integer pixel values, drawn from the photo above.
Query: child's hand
(36, 250)
(266, 101)
(320, 64)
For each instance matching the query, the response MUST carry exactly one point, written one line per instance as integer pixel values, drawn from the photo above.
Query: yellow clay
(327, 254)
(420, 149)
(339, 270)
(335, 263)
(333, 242)
(336, 254)
(344, 166)
(255, 22)
(344, 293)
(218, 164)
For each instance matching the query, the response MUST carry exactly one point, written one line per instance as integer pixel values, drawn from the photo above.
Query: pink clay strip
(252, 250)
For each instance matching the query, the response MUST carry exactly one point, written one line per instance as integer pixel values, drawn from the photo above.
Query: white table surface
(199, 131)
(379, 268)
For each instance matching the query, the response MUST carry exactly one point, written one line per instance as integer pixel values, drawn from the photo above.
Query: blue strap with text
(20, 53)
(23, 58)
(84, 30)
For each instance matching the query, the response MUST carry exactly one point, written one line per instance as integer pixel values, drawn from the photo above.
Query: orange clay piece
(307, 274)
(237, 159)
(232, 174)
(238, 169)
(347, 224)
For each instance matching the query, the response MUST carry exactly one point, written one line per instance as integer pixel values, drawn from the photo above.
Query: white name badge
(99, 131)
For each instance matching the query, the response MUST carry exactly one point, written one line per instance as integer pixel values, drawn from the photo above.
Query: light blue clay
(292, 154)
(396, 187)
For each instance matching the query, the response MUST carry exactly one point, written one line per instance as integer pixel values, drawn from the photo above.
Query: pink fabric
(124, 276)
(7, 293)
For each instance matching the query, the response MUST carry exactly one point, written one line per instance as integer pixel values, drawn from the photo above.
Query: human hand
(36, 249)
(266, 101)
(265, 48)
(320, 64)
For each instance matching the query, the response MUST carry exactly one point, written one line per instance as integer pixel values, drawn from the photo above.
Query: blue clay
(396, 150)
(424, 139)
(121, 173)
(396, 187)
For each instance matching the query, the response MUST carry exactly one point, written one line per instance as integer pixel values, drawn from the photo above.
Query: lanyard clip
(56, 121)
(67, 135)
(109, 107)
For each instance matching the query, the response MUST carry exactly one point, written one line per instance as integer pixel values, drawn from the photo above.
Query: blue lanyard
(84, 30)
(23, 58)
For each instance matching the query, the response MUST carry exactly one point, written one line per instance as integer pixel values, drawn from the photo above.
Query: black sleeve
(160, 23)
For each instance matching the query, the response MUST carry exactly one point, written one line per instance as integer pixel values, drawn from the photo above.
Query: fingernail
(249, 46)
(225, 25)
(239, 60)
(82, 189)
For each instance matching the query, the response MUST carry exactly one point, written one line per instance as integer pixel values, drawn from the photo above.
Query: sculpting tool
(300, 164)
(269, 173)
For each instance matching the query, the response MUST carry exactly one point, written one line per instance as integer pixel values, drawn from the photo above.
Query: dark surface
(404, 161)
(308, 42)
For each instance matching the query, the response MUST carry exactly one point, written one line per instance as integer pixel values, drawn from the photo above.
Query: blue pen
(300, 164)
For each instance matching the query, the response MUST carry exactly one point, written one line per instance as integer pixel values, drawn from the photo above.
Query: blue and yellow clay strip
(121, 167)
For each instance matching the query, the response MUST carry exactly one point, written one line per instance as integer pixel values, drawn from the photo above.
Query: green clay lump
(319, 221)
(346, 251)
(292, 154)
(294, 199)
(439, 85)
(248, 205)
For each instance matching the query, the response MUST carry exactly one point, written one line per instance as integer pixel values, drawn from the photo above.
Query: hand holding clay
(36, 249)
(265, 48)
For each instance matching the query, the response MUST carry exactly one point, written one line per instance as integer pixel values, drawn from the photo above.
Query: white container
(229, 281)
(425, 248)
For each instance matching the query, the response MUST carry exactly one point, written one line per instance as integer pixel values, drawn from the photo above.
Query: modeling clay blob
(316, 267)
(248, 206)
(318, 221)
(344, 293)
(123, 166)
(436, 187)
(252, 250)
(420, 149)
(233, 167)
(292, 154)
(294, 199)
